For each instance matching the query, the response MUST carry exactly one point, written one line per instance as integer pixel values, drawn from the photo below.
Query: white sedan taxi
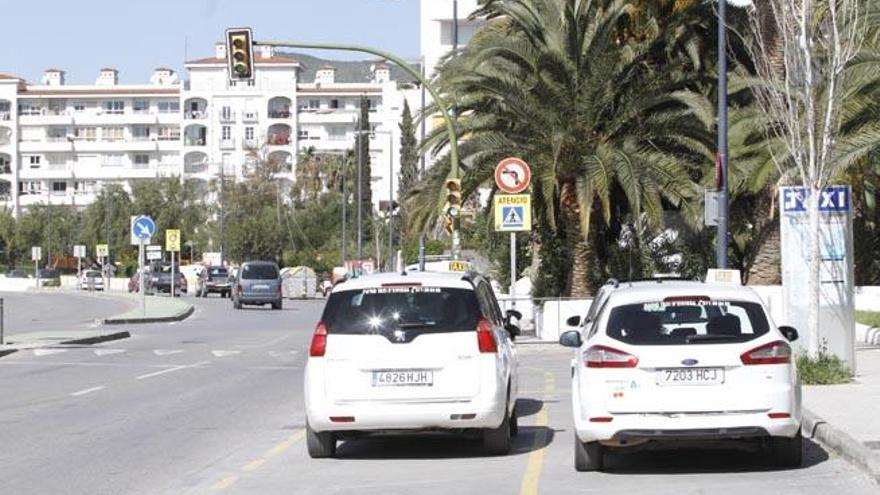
(398, 353)
(675, 362)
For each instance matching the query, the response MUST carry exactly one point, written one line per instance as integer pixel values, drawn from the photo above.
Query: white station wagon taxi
(411, 352)
(674, 361)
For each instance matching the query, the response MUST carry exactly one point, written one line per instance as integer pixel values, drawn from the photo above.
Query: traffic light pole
(441, 105)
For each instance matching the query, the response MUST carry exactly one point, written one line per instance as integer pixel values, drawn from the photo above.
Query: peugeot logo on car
(689, 362)
(400, 335)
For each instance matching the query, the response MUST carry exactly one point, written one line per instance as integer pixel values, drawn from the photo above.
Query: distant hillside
(346, 71)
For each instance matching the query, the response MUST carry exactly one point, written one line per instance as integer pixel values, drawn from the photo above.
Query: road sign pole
(173, 280)
(142, 277)
(37, 273)
(513, 269)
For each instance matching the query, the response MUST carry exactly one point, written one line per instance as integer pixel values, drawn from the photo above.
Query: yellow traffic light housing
(240, 54)
(453, 198)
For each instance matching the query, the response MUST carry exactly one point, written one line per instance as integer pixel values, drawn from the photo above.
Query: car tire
(787, 452)
(236, 304)
(588, 456)
(276, 306)
(514, 423)
(496, 441)
(320, 445)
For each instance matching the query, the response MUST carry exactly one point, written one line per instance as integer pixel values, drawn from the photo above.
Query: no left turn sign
(512, 175)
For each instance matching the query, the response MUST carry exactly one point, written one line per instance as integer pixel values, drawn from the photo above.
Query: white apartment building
(61, 143)
(436, 21)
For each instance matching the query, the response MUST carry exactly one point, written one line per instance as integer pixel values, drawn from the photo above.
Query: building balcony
(227, 144)
(279, 140)
(169, 144)
(168, 118)
(5, 116)
(280, 114)
(142, 144)
(46, 117)
(195, 168)
(195, 115)
(250, 144)
(111, 119)
(227, 116)
(188, 141)
(62, 171)
(49, 145)
(250, 117)
(347, 117)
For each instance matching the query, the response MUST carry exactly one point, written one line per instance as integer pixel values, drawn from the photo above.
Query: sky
(82, 36)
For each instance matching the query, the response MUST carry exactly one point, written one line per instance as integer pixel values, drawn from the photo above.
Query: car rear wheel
(787, 452)
(496, 441)
(276, 305)
(588, 456)
(320, 444)
(514, 423)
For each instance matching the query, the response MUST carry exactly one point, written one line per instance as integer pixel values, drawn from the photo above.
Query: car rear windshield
(93, 274)
(678, 321)
(259, 272)
(415, 310)
(217, 272)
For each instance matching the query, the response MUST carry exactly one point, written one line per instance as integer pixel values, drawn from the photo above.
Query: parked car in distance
(91, 280)
(257, 283)
(213, 279)
(18, 273)
(49, 277)
(159, 280)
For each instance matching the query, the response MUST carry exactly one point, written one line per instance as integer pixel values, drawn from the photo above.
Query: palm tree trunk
(765, 267)
(578, 248)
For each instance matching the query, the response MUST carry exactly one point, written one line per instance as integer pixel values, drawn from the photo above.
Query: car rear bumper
(635, 428)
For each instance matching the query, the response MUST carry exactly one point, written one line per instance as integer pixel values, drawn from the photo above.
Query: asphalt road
(214, 405)
(34, 312)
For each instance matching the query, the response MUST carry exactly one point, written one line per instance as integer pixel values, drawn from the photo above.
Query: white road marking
(169, 370)
(105, 352)
(87, 391)
(167, 352)
(224, 353)
(46, 352)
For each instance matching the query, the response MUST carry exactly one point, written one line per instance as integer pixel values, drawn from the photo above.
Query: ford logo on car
(689, 362)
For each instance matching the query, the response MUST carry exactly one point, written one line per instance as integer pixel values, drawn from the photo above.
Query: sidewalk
(159, 309)
(846, 418)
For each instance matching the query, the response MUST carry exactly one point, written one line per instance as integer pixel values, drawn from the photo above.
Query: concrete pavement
(847, 417)
(213, 404)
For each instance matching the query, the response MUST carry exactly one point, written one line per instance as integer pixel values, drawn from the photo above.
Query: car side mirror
(790, 333)
(571, 338)
(514, 313)
(513, 330)
(573, 321)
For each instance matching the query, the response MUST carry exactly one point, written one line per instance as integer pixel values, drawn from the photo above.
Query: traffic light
(240, 54)
(453, 197)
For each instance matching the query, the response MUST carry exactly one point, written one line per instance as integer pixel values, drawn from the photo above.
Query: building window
(169, 106)
(141, 106)
(28, 109)
(140, 133)
(169, 134)
(302, 134)
(86, 133)
(141, 160)
(226, 113)
(34, 160)
(59, 187)
(314, 104)
(113, 160)
(112, 134)
(226, 132)
(79, 107)
(466, 31)
(114, 107)
(248, 132)
(334, 104)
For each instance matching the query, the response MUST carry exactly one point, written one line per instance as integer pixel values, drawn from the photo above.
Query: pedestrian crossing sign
(513, 212)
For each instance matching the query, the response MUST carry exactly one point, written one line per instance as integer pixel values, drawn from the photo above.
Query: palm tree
(607, 124)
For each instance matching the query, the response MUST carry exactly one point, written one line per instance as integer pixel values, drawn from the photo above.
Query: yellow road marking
(224, 483)
(253, 465)
(535, 462)
(256, 463)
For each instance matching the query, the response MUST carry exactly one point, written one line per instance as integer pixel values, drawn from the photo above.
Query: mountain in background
(346, 71)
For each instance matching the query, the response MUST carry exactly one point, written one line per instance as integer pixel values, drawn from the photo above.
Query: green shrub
(870, 318)
(823, 370)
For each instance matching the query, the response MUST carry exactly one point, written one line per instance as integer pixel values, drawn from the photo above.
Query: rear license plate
(403, 378)
(689, 376)
(261, 287)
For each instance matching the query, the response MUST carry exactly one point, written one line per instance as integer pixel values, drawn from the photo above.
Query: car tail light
(601, 419)
(485, 337)
(779, 415)
(319, 341)
(600, 356)
(342, 419)
(777, 352)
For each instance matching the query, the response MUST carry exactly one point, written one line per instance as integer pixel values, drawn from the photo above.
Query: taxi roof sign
(723, 276)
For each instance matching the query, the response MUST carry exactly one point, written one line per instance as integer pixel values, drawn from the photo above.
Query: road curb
(6, 352)
(107, 337)
(158, 319)
(842, 444)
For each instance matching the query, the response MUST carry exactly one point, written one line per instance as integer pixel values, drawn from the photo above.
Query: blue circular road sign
(143, 227)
